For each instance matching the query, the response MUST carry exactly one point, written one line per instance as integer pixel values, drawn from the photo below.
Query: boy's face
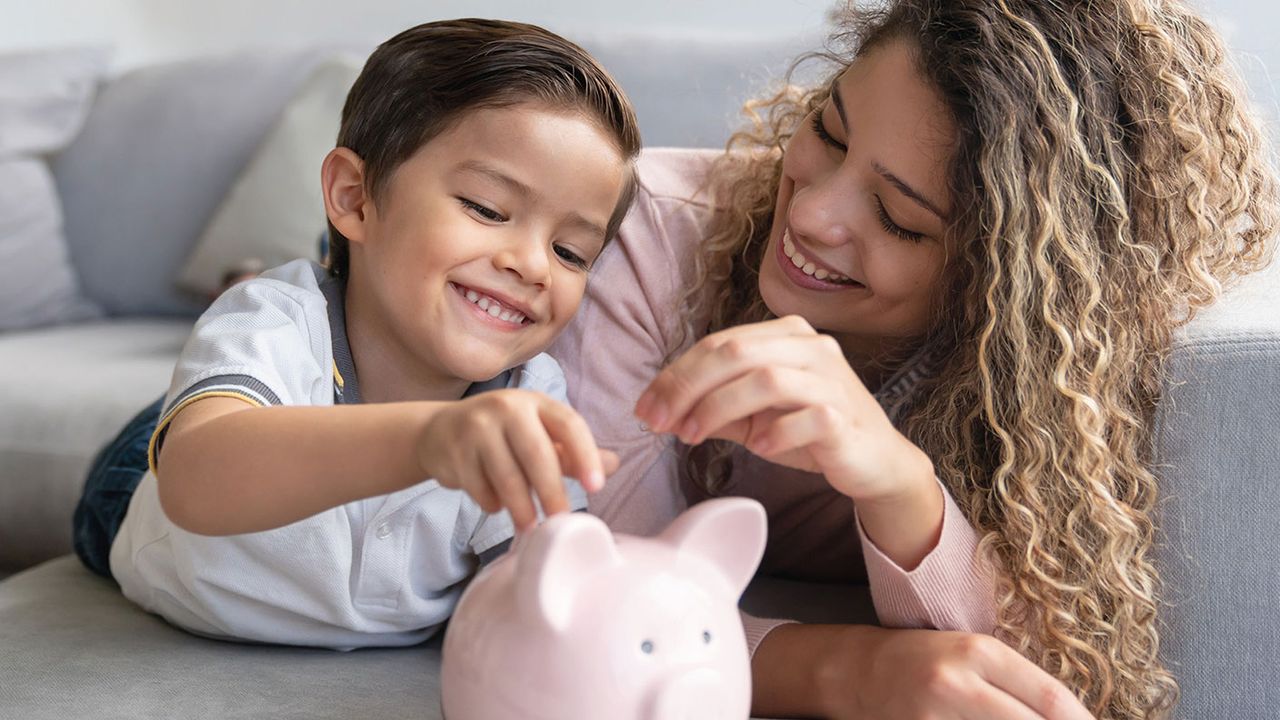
(476, 254)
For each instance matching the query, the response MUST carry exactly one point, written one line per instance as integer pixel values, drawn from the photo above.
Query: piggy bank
(575, 624)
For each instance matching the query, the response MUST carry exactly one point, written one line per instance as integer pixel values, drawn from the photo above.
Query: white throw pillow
(274, 212)
(44, 98)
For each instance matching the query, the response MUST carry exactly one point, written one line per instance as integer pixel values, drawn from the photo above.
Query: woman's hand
(870, 673)
(503, 447)
(788, 394)
(933, 674)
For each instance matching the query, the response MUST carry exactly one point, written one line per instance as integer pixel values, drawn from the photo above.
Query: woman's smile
(806, 272)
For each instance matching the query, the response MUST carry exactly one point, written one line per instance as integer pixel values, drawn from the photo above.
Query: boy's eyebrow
(526, 192)
(894, 180)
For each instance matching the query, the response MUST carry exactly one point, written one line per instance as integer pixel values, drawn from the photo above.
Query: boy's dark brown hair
(417, 84)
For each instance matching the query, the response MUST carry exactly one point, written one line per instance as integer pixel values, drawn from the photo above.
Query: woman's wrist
(906, 523)
(814, 671)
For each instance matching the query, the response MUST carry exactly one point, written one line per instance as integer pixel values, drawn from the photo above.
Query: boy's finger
(540, 464)
(580, 458)
(504, 476)
(610, 460)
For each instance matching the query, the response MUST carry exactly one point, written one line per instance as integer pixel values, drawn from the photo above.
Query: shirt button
(383, 531)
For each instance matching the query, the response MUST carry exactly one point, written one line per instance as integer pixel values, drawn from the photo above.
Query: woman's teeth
(494, 308)
(808, 268)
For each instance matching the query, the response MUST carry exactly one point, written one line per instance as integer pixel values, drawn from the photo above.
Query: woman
(962, 259)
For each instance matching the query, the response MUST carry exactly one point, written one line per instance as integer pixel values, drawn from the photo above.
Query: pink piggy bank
(573, 624)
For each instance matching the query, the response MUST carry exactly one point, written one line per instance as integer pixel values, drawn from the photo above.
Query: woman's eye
(823, 135)
(570, 257)
(484, 212)
(894, 228)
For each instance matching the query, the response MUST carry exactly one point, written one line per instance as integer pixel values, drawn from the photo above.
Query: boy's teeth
(494, 308)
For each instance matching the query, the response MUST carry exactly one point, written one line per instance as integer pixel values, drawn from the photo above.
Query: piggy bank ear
(729, 532)
(556, 560)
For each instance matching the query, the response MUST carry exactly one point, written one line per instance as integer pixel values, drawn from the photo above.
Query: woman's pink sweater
(628, 323)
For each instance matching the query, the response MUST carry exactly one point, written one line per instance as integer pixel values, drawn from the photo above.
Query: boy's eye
(484, 212)
(570, 257)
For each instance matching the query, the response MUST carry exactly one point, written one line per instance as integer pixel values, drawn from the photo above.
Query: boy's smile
(475, 255)
(506, 315)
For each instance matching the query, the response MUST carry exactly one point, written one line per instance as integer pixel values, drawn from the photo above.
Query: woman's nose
(822, 212)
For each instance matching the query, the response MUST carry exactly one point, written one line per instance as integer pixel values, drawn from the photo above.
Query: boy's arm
(228, 467)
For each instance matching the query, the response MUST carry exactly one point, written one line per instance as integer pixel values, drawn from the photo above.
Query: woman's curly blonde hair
(1108, 178)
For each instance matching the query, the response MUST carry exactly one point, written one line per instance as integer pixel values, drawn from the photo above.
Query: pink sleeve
(951, 589)
(621, 336)
(626, 327)
(617, 343)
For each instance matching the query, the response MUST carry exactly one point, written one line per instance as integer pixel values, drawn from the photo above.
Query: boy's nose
(527, 259)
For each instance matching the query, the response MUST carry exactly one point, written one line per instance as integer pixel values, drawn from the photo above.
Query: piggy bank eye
(706, 637)
(646, 647)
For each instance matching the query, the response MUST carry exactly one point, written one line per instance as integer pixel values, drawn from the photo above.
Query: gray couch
(177, 136)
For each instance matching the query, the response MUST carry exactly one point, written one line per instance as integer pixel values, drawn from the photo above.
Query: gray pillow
(44, 97)
(173, 138)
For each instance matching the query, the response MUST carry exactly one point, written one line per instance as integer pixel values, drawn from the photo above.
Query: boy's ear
(345, 200)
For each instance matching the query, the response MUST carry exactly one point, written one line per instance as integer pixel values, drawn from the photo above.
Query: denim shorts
(113, 477)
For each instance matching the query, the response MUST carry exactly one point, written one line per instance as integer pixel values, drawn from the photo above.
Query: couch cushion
(1217, 454)
(275, 210)
(67, 390)
(44, 97)
(74, 647)
(160, 149)
(688, 88)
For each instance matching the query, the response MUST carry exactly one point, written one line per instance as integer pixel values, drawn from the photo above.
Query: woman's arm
(786, 393)
(845, 672)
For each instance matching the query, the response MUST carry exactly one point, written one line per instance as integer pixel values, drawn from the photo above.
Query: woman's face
(856, 245)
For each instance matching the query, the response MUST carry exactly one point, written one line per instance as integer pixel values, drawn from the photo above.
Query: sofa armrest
(1218, 459)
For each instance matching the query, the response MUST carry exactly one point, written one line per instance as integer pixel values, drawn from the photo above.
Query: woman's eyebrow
(909, 191)
(915, 195)
(839, 103)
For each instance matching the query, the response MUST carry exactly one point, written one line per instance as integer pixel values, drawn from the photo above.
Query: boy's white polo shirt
(383, 571)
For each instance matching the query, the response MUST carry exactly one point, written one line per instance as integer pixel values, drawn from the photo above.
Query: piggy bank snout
(700, 694)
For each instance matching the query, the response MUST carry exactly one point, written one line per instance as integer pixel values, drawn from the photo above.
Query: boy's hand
(503, 445)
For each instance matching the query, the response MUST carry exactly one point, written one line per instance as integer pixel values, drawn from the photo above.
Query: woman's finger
(764, 388)
(1020, 678)
(682, 384)
(803, 428)
(992, 703)
(710, 350)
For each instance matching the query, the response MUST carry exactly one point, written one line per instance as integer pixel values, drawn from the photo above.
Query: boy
(480, 168)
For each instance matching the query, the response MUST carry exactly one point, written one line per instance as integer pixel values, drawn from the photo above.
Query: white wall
(147, 31)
